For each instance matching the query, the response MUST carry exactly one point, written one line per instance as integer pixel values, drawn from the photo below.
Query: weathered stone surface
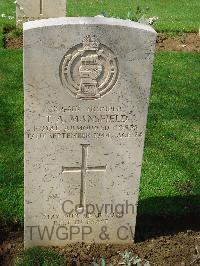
(27, 10)
(87, 85)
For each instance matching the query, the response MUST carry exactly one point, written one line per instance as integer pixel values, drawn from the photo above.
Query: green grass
(170, 171)
(7, 8)
(40, 256)
(170, 183)
(11, 136)
(174, 15)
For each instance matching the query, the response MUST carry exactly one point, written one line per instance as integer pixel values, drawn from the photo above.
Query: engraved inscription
(93, 122)
(89, 70)
(83, 170)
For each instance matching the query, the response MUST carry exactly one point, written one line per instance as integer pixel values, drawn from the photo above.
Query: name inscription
(92, 122)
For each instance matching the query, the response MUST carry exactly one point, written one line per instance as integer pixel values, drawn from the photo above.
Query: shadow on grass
(161, 222)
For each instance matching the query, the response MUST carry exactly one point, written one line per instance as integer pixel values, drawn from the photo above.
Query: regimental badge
(89, 70)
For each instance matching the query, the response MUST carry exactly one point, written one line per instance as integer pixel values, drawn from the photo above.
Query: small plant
(40, 257)
(102, 262)
(196, 257)
(129, 260)
(138, 9)
(17, 32)
(12, 32)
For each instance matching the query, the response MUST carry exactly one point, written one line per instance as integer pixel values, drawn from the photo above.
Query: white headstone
(87, 85)
(27, 10)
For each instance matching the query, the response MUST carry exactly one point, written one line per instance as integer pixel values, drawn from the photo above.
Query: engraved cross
(83, 170)
(41, 7)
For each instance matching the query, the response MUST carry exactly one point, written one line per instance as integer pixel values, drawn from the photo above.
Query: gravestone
(27, 10)
(87, 86)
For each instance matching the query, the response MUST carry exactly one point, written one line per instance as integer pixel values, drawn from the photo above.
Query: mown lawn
(11, 136)
(170, 183)
(174, 15)
(170, 175)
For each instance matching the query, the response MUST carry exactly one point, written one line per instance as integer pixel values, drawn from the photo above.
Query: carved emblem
(89, 70)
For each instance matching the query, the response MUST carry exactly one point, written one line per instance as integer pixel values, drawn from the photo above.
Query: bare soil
(13, 42)
(189, 42)
(158, 240)
(173, 250)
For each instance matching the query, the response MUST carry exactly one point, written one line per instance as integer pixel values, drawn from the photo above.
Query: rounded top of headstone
(86, 20)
